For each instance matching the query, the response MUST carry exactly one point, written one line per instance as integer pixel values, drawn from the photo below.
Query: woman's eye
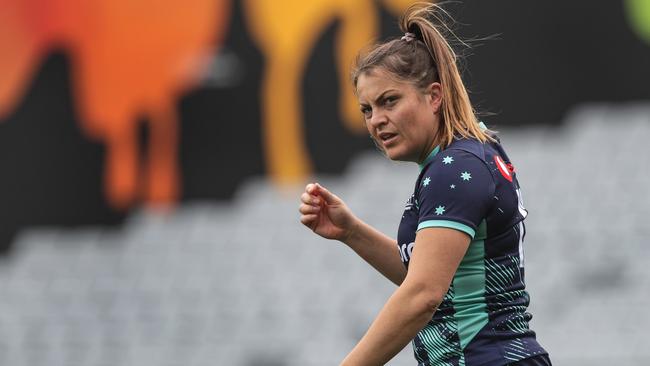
(367, 112)
(390, 100)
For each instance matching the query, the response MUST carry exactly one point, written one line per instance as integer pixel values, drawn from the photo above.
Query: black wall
(543, 58)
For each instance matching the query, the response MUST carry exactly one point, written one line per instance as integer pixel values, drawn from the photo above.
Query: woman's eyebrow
(383, 94)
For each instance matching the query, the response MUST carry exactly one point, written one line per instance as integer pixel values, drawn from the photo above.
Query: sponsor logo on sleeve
(505, 169)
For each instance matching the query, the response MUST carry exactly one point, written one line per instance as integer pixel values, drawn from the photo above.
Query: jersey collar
(429, 158)
(437, 149)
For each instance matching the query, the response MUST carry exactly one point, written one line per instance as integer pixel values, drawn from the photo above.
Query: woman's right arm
(328, 216)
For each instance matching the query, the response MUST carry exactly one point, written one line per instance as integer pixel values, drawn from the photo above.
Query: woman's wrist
(352, 234)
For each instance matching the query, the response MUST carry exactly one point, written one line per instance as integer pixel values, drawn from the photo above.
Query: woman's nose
(378, 119)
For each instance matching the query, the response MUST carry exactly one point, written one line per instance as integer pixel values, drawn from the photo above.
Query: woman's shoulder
(469, 149)
(466, 159)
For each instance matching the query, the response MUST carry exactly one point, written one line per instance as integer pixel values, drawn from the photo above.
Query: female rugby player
(458, 258)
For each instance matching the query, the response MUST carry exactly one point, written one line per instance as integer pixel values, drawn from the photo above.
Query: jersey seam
(451, 224)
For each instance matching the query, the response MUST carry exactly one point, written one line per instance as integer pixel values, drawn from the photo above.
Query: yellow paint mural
(286, 31)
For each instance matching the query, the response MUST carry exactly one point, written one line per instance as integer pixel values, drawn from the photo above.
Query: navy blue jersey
(472, 187)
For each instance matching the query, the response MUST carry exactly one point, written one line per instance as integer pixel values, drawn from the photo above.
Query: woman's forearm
(406, 312)
(379, 250)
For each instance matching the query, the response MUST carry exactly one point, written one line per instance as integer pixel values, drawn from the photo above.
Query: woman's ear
(434, 90)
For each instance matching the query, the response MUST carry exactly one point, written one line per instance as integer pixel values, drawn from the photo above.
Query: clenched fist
(325, 213)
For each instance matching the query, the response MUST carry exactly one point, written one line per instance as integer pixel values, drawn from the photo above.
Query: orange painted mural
(130, 59)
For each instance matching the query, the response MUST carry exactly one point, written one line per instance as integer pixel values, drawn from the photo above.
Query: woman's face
(401, 118)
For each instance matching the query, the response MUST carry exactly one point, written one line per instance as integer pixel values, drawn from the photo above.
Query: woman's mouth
(387, 138)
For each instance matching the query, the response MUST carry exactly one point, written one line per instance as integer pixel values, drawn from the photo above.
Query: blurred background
(152, 154)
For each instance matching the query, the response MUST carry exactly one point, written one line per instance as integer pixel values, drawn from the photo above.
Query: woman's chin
(400, 155)
(395, 155)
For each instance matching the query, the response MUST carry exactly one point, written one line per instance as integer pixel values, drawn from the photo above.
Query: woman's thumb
(328, 196)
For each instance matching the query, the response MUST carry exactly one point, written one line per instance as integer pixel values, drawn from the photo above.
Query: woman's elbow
(431, 301)
(426, 299)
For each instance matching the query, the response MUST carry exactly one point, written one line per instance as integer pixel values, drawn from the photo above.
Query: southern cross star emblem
(426, 181)
(466, 176)
(440, 210)
(453, 186)
(447, 160)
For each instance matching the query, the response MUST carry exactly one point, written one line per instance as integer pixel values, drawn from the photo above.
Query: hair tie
(408, 37)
